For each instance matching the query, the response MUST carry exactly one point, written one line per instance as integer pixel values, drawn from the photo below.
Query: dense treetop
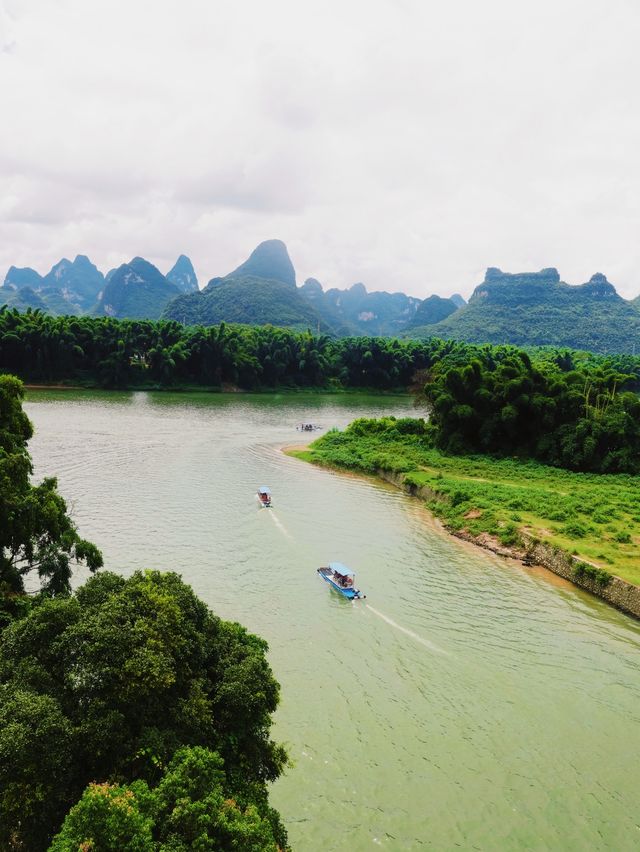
(108, 684)
(501, 403)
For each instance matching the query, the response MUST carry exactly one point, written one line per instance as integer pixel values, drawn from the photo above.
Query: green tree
(131, 670)
(36, 532)
(190, 808)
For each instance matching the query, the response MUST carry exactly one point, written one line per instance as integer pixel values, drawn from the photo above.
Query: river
(467, 703)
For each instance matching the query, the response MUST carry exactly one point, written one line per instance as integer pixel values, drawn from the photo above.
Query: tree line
(114, 353)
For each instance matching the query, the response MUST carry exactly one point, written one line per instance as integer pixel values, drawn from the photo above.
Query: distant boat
(342, 579)
(264, 495)
(307, 427)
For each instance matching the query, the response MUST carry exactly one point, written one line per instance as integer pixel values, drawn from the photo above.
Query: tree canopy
(499, 402)
(108, 684)
(191, 807)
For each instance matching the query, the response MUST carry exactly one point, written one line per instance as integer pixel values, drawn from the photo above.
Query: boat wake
(430, 645)
(280, 526)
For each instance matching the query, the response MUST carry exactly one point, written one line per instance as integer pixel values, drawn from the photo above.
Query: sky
(407, 144)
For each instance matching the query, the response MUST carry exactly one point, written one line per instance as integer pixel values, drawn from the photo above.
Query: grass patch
(595, 516)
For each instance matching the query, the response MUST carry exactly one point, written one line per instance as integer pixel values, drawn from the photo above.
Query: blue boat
(264, 496)
(342, 579)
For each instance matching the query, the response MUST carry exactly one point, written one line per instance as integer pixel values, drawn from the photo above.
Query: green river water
(468, 703)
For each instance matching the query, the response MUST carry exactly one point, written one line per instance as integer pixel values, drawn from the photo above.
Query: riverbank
(583, 527)
(226, 388)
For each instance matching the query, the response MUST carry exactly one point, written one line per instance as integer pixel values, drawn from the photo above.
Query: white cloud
(406, 144)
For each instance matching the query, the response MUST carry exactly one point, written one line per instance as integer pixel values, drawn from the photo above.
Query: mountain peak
(312, 285)
(549, 275)
(358, 289)
(137, 290)
(599, 287)
(183, 275)
(269, 260)
(23, 276)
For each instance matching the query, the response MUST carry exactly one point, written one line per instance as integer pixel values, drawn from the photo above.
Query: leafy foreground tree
(108, 684)
(190, 808)
(36, 533)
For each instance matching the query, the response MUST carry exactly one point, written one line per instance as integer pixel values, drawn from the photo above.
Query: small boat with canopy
(264, 496)
(342, 579)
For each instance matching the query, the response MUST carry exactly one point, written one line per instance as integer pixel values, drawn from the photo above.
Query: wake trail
(280, 526)
(430, 645)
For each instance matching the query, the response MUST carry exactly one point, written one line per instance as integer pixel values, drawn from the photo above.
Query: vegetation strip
(584, 527)
(136, 354)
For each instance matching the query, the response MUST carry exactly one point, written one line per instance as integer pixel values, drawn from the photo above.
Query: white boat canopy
(341, 569)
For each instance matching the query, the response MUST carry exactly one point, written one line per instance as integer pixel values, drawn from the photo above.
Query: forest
(110, 353)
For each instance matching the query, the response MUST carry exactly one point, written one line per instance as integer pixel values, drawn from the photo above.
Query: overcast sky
(408, 144)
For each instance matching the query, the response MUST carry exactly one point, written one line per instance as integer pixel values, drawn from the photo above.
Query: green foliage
(500, 402)
(141, 353)
(192, 807)
(36, 532)
(126, 672)
(109, 818)
(583, 571)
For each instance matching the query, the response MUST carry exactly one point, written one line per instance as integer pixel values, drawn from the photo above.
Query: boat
(308, 427)
(264, 496)
(342, 579)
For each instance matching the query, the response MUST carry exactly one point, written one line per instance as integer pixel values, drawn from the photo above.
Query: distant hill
(527, 308)
(136, 290)
(433, 309)
(537, 308)
(18, 277)
(183, 275)
(260, 291)
(68, 288)
(357, 312)
(21, 299)
(271, 261)
(78, 282)
(312, 291)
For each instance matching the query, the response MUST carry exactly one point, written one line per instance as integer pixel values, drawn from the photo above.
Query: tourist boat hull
(350, 592)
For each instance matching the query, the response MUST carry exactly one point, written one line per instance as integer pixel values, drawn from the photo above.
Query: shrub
(583, 571)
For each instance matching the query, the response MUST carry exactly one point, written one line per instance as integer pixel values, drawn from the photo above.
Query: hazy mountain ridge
(538, 308)
(78, 287)
(526, 308)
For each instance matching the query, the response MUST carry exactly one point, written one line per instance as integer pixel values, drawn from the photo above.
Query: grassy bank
(595, 517)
